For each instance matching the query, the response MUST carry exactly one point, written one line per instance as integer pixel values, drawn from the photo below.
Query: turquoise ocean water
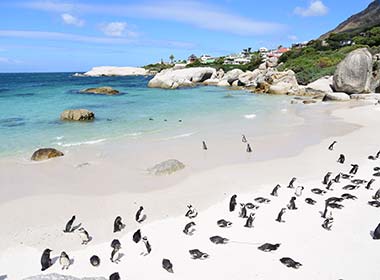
(30, 106)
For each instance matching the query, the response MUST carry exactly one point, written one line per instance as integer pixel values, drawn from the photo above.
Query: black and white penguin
(249, 149)
(114, 276)
(116, 246)
(243, 139)
(204, 145)
(189, 228)
(219, 240)
(378, 155)
(368, 187)
(243, 211)
(318, 191)
(376, 195)
(46, 260)
(310, 201)
(354, 169)
(292, 204)
(299, 190)
(351, 187)
(262, 200)
(341, 159)
(279, 216)
(198, 255)
(327, 223)
(290, 263)
(376, 233)
(84, 236)
(191, 212)
(348, 196)
(291, 183)
(137, 236)
(167, 265)
(374, 203)
(95, 260)
(233, 203)
(275, 190)
(118, 224)
(69, 225)
(148, 247)
(329, 185)
(223, 223)
(64, 260)
(267, 247)
(326, 179)
(331, 147)
(249, 222)
(140, 216)
(337, 178)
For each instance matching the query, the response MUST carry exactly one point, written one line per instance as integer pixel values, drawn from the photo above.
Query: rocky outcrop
(354, 74)
(370, 96)
(115, 71)
(101, 90)
(284, 83)
(232, 76)
(172, 79)
(77, 115)
(55, 276)
(322, 85)
(46, 153)
(336, 96)
(166, 167)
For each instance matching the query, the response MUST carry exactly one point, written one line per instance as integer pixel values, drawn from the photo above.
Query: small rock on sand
(166, 167)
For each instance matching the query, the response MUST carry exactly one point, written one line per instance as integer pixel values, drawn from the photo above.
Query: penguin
(148, 247)
(275, 190)
(189, 228)
(233, 203)
(368, 187)
(140, 217)
(243, 139)
(249, 149)
(137, 236)
(251, 206)
(318, 191)
(376, 233)
(327, 223)
(331, 147)
(83, 234)
(290, 186)
(249, 222)
(191, 213)
(118, 224)
(374, 203)
(224, 224)
(354, 169)
(337, 178)
(64, 260)
(95, 260)
(290, 263)
(346, 176)
(326, 179)
(279, 216)
(267, 247)
(378, 155)
(350, 187)
(45, 260)
(376, 168)
(116, 246)
(299, 190)
(348, 196)
(68, 227)
(377, 195)
(204, 145)
(341, 159)
(243, 211)
(310, 201)
(114, 276)
(262, 200)
(198, 255)
(329, 185)
(292, 204)
(371, 158)
(360, 181)
(167, 265)
(219, 240)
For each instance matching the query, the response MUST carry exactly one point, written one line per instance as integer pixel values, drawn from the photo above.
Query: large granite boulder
(336, 96)
(248, 78)
(283, 83)
(101, 90)
(172, 79)
(46, 153)
(166, 167)
(77, 115)
(55, 276)
(354, 73)
(232, 75)
(115, 71)
(322, 85)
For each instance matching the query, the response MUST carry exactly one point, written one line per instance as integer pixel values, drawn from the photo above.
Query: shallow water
(31, 103)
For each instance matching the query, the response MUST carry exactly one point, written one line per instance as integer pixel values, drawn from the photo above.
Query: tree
(171, 57)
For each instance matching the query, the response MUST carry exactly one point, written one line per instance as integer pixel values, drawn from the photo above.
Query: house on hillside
(192, 58)
(206, 59)
(278, 53)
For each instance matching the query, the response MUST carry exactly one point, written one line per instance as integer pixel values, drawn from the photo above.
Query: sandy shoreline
(198, 185)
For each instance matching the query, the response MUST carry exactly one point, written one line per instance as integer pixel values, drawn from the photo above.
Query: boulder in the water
(101, 90)
(77, 115)
(46, 153)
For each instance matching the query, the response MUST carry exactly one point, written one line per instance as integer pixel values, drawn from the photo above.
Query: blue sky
(60, 35)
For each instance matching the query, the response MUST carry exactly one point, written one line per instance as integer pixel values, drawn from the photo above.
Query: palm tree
(171, 57)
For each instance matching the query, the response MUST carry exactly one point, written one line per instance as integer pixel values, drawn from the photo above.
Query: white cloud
(71, 20)
(192, 12)
(117, 29)
(293, 38)
(316, 8)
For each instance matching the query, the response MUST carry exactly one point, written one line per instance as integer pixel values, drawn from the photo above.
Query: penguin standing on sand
(354, 169)
(299, 191)
(326, 179)
(95, 260)
(275, 190)
(116, 246)
(249, 149)
(292, 204)
(329, 185)
(140, 217)
(191, 213)
(83, 234)
(243, 211)
(244, 139)
(327, 223)
(279, 216)
(377, 195)
(337, 178)
(331, 147)
(118, 224)
(167, 265)
(204, 145)
(69, 225)
(249, 222)
(233, 203)
(291, 186)
(368, 187)
(341, 159)
(64, 260)
(148, 247)
(189, 228)
(378, 155)
(45, 260)
(376, 233)
(137, 236)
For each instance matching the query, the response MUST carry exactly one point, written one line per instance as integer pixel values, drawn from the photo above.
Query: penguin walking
(341, 159)
(299, 191)
(368, 187)
(243, 139)
(326, 179)
(140, 216)
(279, 216)
(167, 265)
(233, 203)
(148, 247)
(46, 260)
(275, 190)
(69, 225)
(249, 222)
(116, 246)
(118, 224)
(204, 146)
(64, 260)
(189, 228)
(354, 169)
(337, 178)
(292, 204)
(243, 211)
(191, 213)
(329, 185)
(84, 236)
(249, 149)
(291, 183)
(331, 147)
(137, 236)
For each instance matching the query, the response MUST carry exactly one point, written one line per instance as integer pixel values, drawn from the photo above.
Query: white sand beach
(37, 204)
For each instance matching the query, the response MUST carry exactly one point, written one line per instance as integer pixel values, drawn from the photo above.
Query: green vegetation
(157, 67)
(370, 37)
